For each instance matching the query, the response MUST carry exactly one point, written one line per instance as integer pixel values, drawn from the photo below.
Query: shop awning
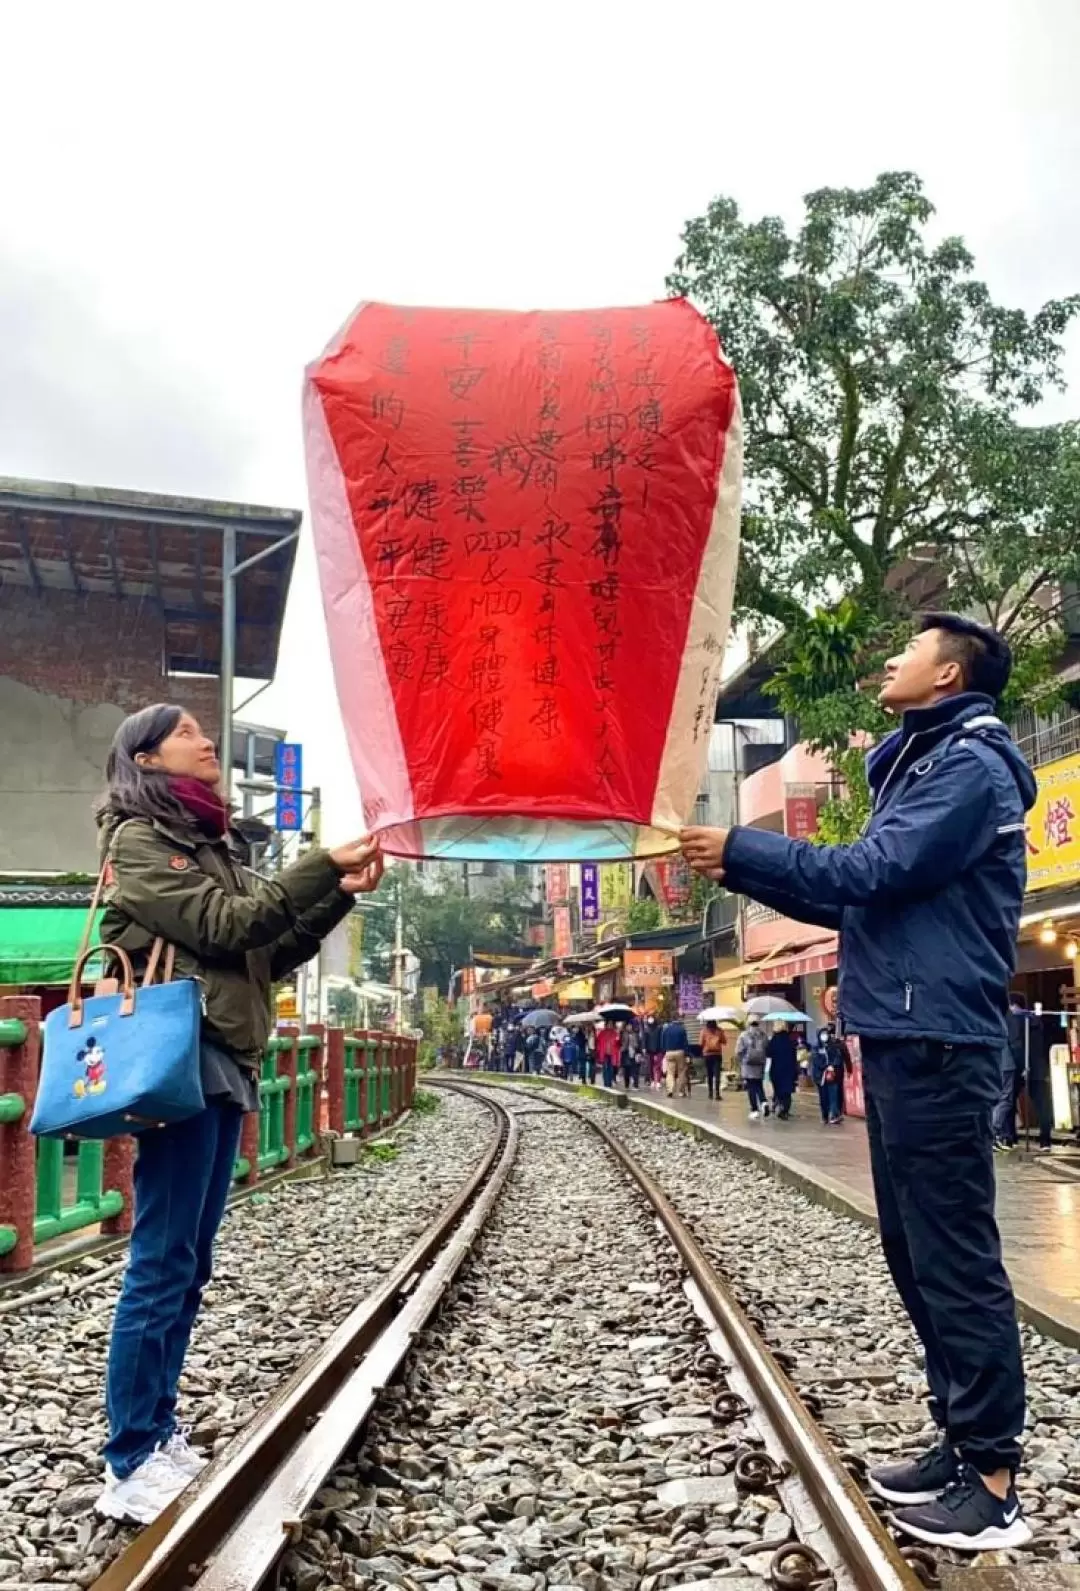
(38, 944)
(817, 958)
(749, 972)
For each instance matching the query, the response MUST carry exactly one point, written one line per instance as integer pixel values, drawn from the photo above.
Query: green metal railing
(54, 1217)
(58, 1188)
(357, 1051)
(12, 1108)
(273, 1150)
(307, 1080)
(374, 1092)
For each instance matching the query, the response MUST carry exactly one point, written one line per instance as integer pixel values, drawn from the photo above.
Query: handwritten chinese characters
(532, 497)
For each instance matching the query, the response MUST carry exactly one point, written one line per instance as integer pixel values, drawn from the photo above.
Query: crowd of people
(632, 1051)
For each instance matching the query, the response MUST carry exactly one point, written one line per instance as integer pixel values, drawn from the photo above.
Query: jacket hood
(968, 715)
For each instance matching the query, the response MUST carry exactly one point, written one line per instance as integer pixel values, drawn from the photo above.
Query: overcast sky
(189, 209)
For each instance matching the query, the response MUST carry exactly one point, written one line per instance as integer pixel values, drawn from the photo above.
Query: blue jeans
(1005, 1109)
(609, 1074)
(755, 1092)
(829, 1099)
(182, 1178)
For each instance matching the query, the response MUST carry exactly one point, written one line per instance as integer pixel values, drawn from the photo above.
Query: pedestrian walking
(751, 1054)
(652, 1036)
(1031, 1058)
(174, 872)
(608, 1048)
(589, 1073)
(928, 903)
(826, 1069)
(783, 1069)
(712, 1049)
(628, 1056)
(1012, 1067)
(676, 1059)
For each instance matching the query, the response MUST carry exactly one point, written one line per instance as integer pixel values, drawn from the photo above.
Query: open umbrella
(615, 1013)
(761, 1004)
(540, 1019)
(722, 1013)
(579, 1018)
(787, 1014)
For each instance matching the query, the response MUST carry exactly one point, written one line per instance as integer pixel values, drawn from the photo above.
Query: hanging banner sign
(527, 530)
(648, 969)
(289, 778)
(616, 887)
(563, 941)
(691, 995)
(800, 811)
(590, 894)
(557, 883)
(672, 880)
(1053, 826)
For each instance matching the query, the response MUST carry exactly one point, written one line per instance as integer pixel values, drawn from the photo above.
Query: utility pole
(228, 650)
(399, 964)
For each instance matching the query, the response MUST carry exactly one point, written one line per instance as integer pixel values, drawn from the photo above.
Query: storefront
(41, 931)
(1048, 953)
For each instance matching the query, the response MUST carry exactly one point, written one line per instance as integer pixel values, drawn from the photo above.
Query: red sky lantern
(527, 532)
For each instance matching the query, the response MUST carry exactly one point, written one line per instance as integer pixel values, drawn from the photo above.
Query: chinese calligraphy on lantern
(518, 513)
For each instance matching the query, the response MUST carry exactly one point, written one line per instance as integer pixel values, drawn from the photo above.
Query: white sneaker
(182, 1455)
(144, 1494)
(755, 1115)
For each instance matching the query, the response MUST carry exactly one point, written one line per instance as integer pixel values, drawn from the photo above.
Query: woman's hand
(360, 864)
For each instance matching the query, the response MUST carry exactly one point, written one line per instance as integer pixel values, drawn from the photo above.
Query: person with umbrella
(750, 1052)
(712, 1048)
(783, 1069)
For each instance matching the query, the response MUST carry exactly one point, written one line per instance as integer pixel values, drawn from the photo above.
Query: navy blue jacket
(675, 1036)
(783, 1063)
(928, 900)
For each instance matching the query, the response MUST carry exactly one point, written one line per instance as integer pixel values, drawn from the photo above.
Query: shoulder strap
(99, 890)
(156, 948)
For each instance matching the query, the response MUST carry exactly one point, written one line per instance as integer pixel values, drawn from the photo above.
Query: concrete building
(111, 600)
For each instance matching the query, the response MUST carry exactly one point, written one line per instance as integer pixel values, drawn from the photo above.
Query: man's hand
(704, 850)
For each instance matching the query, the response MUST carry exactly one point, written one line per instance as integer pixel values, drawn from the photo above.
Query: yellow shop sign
(1053, 826)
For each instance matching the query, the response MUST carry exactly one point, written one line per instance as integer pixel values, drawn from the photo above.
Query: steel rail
(233, 1525)
(867, 1550)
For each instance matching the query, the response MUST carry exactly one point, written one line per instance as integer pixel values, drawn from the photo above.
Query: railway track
(231, 1531)
(232, 1527)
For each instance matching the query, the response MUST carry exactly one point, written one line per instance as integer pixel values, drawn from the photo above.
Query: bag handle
(75, 999)
(156, 949)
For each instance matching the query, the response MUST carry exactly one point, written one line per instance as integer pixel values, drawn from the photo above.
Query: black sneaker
(968, 1517)
(918, 1480)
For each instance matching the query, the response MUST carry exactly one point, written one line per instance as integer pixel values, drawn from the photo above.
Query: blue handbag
(121, 1061)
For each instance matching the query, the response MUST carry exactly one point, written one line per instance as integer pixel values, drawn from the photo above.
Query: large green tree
(891, 462)
(443, 924)
(884, 393)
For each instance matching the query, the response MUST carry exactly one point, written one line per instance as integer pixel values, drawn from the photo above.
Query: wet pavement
(1038, 1200)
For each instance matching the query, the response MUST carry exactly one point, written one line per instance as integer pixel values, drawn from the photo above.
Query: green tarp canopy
(38, 944)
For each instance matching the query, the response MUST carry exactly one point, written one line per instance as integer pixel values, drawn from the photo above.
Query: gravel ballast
(554, 1426)
(817, 1285)
(291, 1262)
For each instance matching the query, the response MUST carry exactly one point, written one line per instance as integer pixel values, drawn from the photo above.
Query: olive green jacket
(234, 932)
